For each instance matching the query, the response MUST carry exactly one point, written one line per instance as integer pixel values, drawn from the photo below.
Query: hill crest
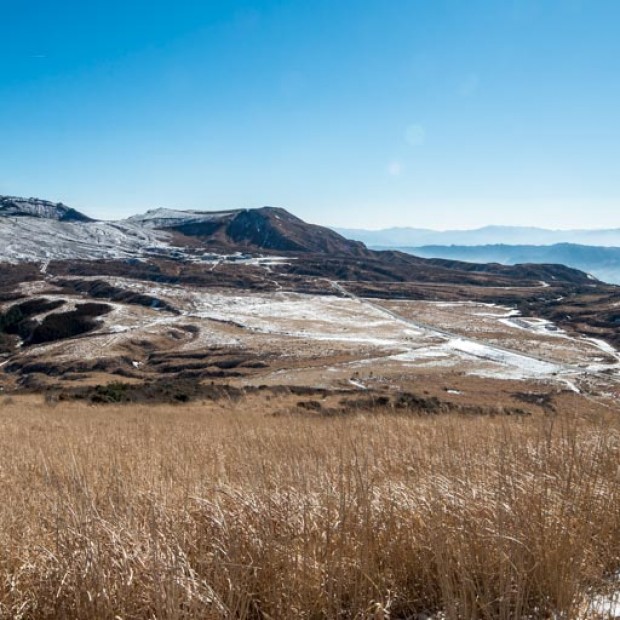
(13, 206)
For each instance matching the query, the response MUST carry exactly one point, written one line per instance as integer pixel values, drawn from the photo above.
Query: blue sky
(366, 113)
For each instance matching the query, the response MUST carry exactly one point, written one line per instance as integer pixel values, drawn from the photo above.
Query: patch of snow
(605, 606)
(515, 366)
(539, 326)
(570, 385)
(605, 347)
(507, 314)
(424, 353)
(357, 384)
(118, 329)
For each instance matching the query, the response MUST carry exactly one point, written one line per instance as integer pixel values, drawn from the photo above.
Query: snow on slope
(38, 239)
(38, 230)
(35, 207)
(167, 218)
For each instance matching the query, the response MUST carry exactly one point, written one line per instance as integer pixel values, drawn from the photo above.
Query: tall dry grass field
(204, 512)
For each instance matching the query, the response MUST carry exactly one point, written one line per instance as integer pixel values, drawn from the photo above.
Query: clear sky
(360, 113)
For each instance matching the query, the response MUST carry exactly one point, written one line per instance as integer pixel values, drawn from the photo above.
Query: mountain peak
(265, 228)
(13, 206)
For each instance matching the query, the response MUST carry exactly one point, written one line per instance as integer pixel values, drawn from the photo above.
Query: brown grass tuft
(200, 512)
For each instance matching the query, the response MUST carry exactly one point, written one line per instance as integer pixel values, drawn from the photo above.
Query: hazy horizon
(442, 115)
(465, 229)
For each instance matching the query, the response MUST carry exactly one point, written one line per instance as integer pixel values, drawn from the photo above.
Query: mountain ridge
(14, 206)
(600, 261)
(267, 228)
(486, 235)
(263, 228)
(40, 231)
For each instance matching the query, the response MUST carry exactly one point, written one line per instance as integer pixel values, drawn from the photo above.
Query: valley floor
(463, 352)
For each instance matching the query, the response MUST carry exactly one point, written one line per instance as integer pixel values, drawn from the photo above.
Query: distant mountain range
(489, 235)
(603, 263)
(594, 251)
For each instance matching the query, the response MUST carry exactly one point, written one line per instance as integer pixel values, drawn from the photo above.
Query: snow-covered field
(475, 339)
(505, 328)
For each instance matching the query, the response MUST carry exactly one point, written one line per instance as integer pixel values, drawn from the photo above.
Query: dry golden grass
(206, 512)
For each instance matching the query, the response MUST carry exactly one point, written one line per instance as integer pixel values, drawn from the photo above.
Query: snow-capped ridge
(13, 206)
(34, 229)
(167, 218)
